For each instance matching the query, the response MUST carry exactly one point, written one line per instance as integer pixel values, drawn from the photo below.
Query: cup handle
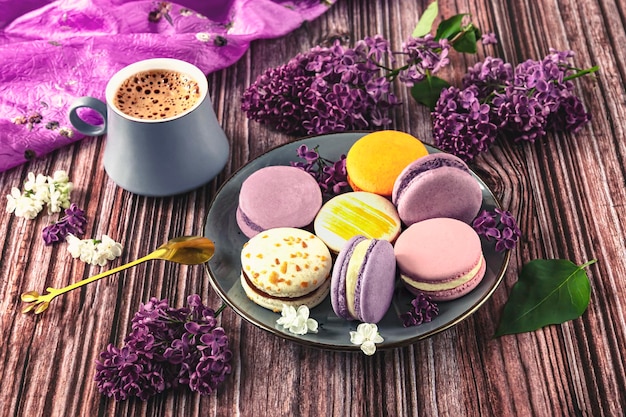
(84, 127)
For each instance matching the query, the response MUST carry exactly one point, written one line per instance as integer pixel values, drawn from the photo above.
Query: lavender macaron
(363, 280)
(277, 196)
(436, 185)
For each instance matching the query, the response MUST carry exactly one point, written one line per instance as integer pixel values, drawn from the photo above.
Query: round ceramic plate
(334, 333)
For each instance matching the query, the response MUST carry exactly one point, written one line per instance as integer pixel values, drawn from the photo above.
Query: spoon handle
(59, 291)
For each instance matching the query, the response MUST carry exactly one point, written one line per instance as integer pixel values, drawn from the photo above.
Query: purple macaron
(277, 196)
(437, 185)
(363, 280)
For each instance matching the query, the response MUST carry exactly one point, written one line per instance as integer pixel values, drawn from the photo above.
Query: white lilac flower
(367, 336)
(37, 188)
(12, 199)
(55, 199)
(27, 207)
(107, 250)
(23, 205)
(73, 245)
(40, 190)
(60, 177)
(59, 192)
(93, 251)
(297, 321)
(83, 249)
(35, 183)
(88, 252)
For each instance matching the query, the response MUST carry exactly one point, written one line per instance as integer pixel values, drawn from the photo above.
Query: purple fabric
(53, 52)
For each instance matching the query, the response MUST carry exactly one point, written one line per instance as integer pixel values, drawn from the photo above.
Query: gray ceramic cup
(157, 157)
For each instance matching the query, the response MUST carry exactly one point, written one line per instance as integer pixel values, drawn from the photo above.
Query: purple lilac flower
(498, 225)
(521, 103)
(462, 124)
(423, 310)
(425, 56)
(538, 98)
(167, 347)
(122, 373)
(488, 76)
(73, 222)
(331, 176)
(484, 221)
(571, 114)
(324, 90)
(522, 117)
(489, 38)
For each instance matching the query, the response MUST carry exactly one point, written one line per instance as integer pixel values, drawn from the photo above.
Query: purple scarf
(53, 52)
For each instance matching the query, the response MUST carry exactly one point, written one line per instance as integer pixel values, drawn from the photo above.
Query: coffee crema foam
(157, 94)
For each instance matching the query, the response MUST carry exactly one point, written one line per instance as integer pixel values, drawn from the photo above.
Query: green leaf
(548, 291)
(427, 91)
(467, 41)
(449, 28)
(425, 24)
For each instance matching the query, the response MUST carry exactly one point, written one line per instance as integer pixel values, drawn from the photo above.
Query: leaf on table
(425, 23)
(548, 291)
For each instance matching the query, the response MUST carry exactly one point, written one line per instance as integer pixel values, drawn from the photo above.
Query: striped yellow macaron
(357, 213)
(374, 161)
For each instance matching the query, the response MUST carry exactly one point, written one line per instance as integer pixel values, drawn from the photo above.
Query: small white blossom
(88, 252)
(203, 36)
(73, 245)
(367, 336)
(297, 321)
(59, 191)
(55, 200)
(12, 199)
(60, 177)
(35, 183)
(40, 190)
(107, 250)
(92, 251)
(22, 204)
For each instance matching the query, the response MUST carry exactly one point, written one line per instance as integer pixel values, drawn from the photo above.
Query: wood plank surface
(567, 191)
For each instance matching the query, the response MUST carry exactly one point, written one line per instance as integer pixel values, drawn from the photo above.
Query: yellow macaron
(356, 213)
(374, 161)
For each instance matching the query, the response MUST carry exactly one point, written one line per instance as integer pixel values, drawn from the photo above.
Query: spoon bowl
(186, 250)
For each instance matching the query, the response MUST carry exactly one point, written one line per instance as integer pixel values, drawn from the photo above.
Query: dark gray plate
(224, 269)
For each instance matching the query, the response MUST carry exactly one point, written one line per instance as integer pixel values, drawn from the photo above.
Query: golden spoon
(187, 250)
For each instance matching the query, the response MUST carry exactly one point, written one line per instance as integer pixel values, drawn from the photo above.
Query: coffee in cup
(157, 94)
(156, 150)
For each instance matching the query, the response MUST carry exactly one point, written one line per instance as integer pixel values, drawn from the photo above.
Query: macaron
(437, 185)
(277, 196)
(374, 161)
(356, 213)
(363, 280)
(285, 266)
(440, 257)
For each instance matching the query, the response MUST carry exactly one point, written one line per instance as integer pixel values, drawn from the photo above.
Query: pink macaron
(436, 185)
(277, 196)
(363, 280)
(441, 257)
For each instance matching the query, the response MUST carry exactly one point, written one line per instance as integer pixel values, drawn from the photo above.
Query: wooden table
(567, 191)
